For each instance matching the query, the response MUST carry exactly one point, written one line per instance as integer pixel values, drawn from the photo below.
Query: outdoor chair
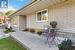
(50, 34)
(45, 31)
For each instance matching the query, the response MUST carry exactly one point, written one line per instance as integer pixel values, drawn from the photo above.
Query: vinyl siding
(64, 15)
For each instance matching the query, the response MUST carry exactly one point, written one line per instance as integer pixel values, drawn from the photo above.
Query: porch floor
(32, 41)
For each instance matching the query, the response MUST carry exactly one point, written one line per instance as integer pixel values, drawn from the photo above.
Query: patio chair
(45, 30)
(50, 34)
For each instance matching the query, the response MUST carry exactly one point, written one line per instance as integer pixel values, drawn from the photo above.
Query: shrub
(32, 30)
(39, 31)
(27, 29)
(8, 30)
(0, 23)
(65, 45)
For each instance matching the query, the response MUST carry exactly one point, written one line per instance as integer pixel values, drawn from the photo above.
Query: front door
(22, 22)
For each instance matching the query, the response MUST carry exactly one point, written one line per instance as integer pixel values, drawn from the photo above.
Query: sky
(15, 5)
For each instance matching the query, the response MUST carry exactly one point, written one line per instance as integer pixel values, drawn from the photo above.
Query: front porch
(35, 42)
(32, 41)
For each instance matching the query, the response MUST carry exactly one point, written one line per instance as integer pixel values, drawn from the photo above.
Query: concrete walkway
(32, 41)
(1, 33)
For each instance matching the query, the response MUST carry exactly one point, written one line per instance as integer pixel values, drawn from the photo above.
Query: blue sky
(17, 4)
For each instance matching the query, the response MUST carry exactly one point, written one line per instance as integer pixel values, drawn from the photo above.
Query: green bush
(0, 23)
(39, 31)
(31, 30)
(8, 30)
(27, 29)
(65, 45)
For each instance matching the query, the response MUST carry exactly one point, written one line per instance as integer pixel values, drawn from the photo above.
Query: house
(42, 12)
(3, 19)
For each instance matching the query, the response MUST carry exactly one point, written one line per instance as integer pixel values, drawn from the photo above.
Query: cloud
(11, 8)
(4, 10)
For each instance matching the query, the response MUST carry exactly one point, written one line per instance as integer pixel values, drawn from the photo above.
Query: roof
(24, 7)
(36, 5)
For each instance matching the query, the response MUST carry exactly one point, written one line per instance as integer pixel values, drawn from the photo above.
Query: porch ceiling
(38, 5)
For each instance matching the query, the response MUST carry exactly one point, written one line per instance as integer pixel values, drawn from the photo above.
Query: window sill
(43, 21)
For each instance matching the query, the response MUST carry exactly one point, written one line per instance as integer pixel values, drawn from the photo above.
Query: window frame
(41, 15)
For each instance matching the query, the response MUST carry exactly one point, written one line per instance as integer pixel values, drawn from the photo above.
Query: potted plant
(39, 31)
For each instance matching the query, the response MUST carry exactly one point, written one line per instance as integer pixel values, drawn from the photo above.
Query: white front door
(22, 22)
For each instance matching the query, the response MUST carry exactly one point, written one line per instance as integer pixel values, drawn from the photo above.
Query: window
(42, 16)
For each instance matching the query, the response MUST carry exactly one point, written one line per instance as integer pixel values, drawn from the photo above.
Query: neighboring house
(3, 19)
(42, 12)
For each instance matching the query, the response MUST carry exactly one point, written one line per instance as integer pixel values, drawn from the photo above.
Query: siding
(64, 15)
(31, 21)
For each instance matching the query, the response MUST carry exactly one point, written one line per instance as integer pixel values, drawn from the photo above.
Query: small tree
(1, 14)
(8, 13)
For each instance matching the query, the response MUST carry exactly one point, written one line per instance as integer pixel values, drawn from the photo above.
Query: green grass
(10, 44)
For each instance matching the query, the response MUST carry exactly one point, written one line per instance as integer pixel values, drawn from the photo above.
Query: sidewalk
(32, 41)
(1, 32)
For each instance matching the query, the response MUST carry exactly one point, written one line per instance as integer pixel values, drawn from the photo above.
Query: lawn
(10, 44)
